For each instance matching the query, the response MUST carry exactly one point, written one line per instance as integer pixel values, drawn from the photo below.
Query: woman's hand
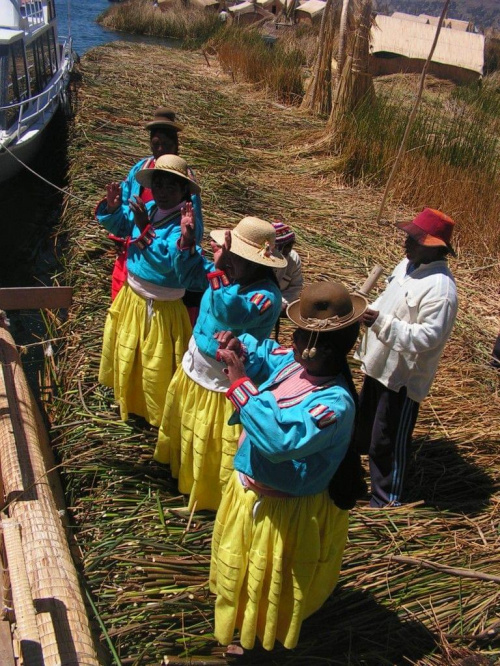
(113, 196)
(187, 226)
(141, 217)
(216, 250)
(221, 260)
(227, 340)
(235, 366)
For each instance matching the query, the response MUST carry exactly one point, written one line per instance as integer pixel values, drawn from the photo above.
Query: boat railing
(32, 109)
(33, 13)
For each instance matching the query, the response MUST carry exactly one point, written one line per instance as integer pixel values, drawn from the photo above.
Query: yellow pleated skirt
(196, 440)
(274, 562)
(141, 350)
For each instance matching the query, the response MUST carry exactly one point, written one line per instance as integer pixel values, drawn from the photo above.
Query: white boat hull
(14, 158)
(32, 90)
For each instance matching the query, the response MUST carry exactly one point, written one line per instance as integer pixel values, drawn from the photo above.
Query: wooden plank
(21, 298)
(6, 651)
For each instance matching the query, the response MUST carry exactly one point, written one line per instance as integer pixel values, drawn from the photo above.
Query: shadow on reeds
(444, 478)
(351, 629)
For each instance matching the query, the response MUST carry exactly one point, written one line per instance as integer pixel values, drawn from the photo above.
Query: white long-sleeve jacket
(405, 343)
(290, 278)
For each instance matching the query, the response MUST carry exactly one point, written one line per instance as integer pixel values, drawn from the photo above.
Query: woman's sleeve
(291, 433)
(261, 358)
(190, 265)
(245, 310)
(116, 223)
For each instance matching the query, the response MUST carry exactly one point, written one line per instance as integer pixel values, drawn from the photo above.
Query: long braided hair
(348, 483)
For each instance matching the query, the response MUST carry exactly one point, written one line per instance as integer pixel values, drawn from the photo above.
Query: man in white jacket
(407, 328)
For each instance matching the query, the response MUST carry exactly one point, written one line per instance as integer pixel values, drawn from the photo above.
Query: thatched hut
(211, 5)
(402, 45)
(246, 13)
(310, 12)
(273, 6)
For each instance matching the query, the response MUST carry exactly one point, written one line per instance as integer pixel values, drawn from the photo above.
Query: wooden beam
(29, 298)
(6, 652)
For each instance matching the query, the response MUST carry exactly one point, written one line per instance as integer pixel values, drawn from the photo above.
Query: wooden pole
(413, 113)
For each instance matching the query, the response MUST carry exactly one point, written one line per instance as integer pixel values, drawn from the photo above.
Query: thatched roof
(312, 7)
(205, 3)
(413, 39)
(242, 8)
(454, 24)
(265, 3)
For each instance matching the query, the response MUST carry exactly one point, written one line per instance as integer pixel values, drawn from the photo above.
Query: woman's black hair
(184, 184)
(261, 272)
(348, 483)
(169, 132)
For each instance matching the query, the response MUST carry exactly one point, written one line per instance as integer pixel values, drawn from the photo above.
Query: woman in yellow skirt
(282, 524)
(147, 328)
(195, 437)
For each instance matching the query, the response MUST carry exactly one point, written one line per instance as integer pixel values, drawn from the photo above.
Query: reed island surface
(145, 560)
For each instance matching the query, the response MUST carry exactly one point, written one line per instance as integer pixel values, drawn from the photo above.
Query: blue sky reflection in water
(87, 33)
(82, 18)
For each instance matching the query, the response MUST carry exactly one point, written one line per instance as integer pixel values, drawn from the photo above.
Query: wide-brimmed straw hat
(253, 239)
(168, 164)
(164, 118)
(326, 306)
(431, 228)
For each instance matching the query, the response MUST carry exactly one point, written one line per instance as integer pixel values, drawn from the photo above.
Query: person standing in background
(407, 328)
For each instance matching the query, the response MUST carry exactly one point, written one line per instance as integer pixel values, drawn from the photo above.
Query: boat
(35, 71)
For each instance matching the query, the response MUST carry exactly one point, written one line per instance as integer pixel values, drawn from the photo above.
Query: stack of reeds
(51, 625)
(145, 560)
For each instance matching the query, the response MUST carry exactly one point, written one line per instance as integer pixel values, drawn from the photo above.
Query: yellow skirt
(196, 441)
(141, 351)
(274, 562)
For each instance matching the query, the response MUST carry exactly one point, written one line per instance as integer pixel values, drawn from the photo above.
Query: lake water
(80, 16)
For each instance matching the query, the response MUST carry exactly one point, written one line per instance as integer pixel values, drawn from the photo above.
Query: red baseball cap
(431, 228)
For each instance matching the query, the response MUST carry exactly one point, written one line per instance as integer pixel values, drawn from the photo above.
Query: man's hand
(369, 317)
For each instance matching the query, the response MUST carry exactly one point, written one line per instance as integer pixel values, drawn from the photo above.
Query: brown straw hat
(164, 118)
(168, 164)
(326, 306)
(253, 239)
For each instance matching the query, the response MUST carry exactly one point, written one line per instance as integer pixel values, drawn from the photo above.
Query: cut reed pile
(144, 560)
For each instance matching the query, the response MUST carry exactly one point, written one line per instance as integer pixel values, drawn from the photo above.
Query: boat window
(33, 70)
(50, 53)
(40, 63)
(13, 82)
